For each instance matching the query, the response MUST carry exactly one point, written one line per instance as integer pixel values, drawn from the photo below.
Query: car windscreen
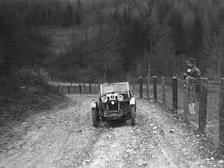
(108, 88)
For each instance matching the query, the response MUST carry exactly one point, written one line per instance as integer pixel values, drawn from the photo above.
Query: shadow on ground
(114, 123)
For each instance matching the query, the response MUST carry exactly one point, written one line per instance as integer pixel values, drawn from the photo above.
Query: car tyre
(133, 115)
(95, 116)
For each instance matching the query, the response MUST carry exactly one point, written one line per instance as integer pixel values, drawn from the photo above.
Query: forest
(111, 40)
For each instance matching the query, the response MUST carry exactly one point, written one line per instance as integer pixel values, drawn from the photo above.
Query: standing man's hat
(191, 60)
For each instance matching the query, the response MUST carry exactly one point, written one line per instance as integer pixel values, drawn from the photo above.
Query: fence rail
(177, 95)
(76, 88)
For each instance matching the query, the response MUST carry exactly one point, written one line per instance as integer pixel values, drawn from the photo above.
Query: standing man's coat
(194, 75)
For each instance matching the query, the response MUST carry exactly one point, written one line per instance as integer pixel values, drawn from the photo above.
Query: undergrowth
(25, 93)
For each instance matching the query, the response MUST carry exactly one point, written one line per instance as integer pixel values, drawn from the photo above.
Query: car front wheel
(133, 114)
(95, 116)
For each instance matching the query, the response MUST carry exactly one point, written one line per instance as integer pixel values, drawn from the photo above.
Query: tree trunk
(220, 56)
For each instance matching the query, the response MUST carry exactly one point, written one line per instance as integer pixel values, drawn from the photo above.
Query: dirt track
(66, 138)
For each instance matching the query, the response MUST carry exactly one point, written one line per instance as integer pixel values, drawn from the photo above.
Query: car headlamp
(120, 98)
(104, 99)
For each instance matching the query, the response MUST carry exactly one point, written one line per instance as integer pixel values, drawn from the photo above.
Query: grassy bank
(17, 102)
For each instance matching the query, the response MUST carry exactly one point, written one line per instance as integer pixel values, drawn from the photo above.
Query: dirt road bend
(66, 138)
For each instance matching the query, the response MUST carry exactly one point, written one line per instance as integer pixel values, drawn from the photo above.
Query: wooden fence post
(186, 98)
(96, 89)
(155, 88)
(163, 90)
(140, 87)
(221, 118)
(174, 93)
(68, 89)
(90, 89)
(147, 87)
(203, 105)
(84, 88)
(98, 86)
(80, 88)
(58, 87)
(133, 88)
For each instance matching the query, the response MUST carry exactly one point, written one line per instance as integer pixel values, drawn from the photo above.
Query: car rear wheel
(133, 114)
(95, 116)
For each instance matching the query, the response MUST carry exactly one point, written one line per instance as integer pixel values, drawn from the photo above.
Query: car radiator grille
(112, 107)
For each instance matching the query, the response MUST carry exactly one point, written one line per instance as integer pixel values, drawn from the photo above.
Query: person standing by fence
(194, 75)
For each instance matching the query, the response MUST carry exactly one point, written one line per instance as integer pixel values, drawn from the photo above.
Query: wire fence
(200, 103)
(212, 121)
(76, 88)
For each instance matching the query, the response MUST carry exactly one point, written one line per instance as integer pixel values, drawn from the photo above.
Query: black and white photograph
(111, 83)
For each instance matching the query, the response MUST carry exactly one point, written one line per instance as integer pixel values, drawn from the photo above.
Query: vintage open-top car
(115, 102)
